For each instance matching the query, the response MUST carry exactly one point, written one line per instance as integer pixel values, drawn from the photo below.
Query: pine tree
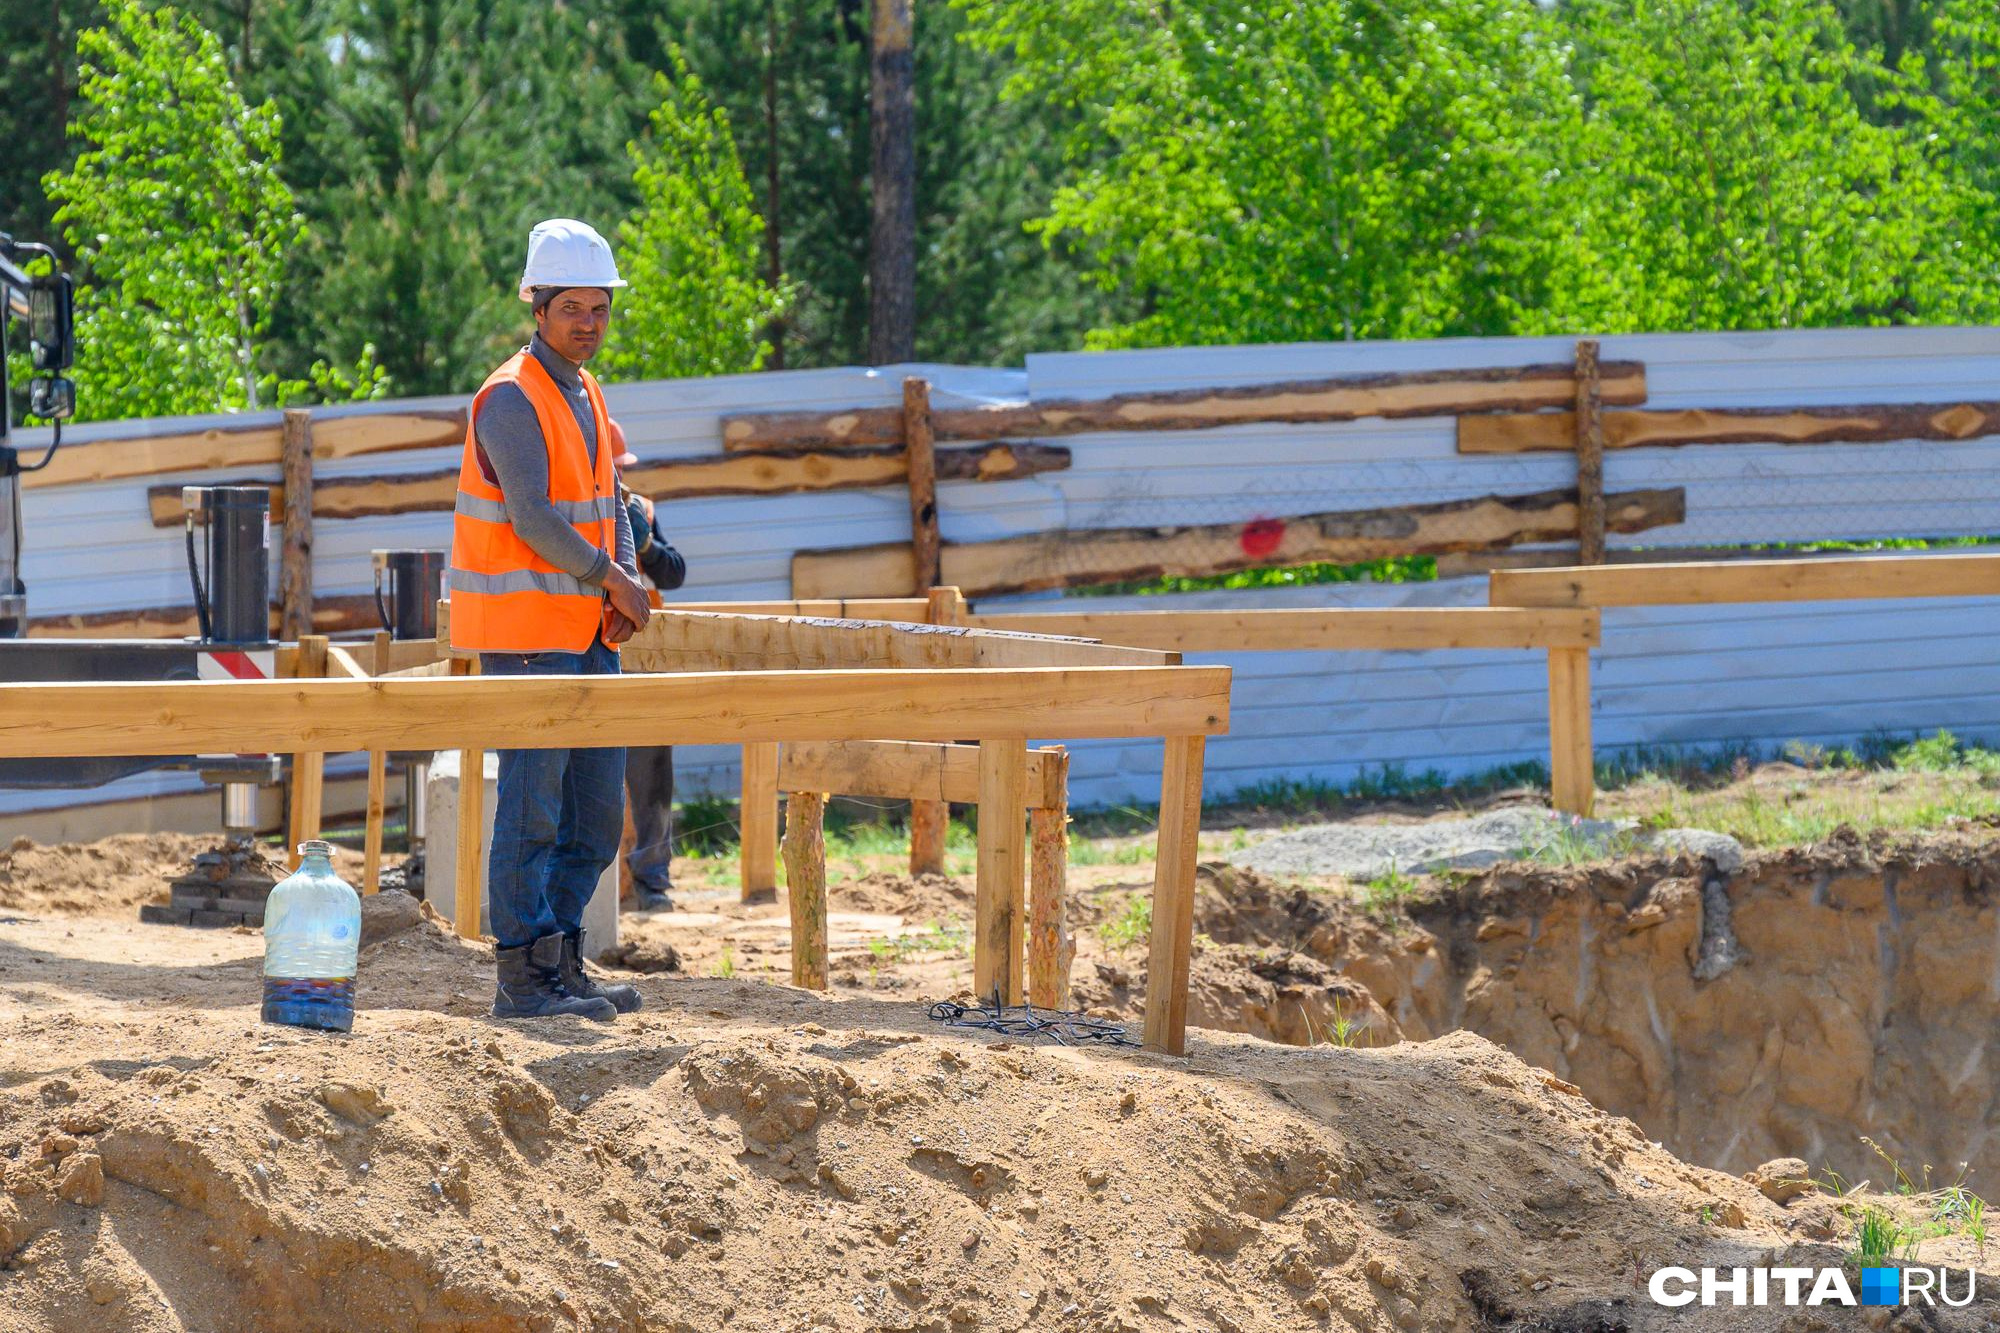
(697, 304)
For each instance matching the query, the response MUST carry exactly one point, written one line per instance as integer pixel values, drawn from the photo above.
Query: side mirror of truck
(52, 399)
(52, 325)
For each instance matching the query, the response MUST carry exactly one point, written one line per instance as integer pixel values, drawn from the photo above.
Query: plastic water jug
(312, 938)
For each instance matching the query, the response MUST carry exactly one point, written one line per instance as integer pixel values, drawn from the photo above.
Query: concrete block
(600, 915)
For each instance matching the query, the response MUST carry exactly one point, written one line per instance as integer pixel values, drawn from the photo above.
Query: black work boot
(531, 985)
(625, 999)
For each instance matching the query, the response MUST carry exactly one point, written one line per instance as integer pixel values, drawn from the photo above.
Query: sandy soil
(743, 1155)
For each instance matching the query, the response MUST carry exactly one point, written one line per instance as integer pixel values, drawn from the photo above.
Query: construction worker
(543, 583)
(649, 769)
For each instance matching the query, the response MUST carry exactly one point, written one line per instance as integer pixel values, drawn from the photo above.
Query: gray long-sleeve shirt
(510, 435)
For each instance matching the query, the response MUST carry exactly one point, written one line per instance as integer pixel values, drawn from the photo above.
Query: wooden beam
(1173, 896)
(1050, 948)
(909, 771)
(1724, 581)
(398, 654)
(930, 831)
(921, 452)
(805, 880)
(1589, 455)
(680, 479)
(1116, 555)
(911, 610)
(1871, 423)
(371, 837)
(703, 641)
(758, 820)
(335, 435)
(342, 665)
(308, 766)
(997, 898)
(1572, 773)
(545, 712)
(295, 573)
(469, 868)
(1400, 629)
(331, 615)
(1430, 393)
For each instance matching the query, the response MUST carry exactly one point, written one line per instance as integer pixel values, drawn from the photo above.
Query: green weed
(1130, 926)
(725, 966)
(1383, 894)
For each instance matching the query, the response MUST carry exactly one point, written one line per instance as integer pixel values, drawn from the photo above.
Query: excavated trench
(1809, 1001)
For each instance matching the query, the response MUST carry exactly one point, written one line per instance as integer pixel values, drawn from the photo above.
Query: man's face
(575, 322)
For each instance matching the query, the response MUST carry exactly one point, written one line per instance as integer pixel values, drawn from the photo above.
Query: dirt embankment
(747, 1156)
(1810, 998)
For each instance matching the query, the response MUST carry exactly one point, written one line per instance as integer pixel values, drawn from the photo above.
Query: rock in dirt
(1722, 851)
(643, 956)
(356, 1104)
(1782, 1179)
(388, 914)
(82, 1180)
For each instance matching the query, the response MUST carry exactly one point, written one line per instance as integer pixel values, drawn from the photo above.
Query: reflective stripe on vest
(504, 597)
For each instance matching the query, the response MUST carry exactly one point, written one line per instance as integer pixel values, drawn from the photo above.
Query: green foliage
(707, 825)
(1131, 927)
(175, 208)
(1945, 753)
(1730, 180)
(1342, 169)
(1394, 569)
(696, 305)
(1382, 895)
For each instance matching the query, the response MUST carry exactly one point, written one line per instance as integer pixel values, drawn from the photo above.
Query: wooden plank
(704, 641)
(469, 869)
(1868, 423)
(1572, 777)
(371, 838)
(1050, 948)
(1117, 555)
(531, 712)
(398, 654)
(908, 771)
(805, 879)
(238, 446)
(758, 820)
(921, 452)
(1430, 393)
(913, 610)
(331, 615)
(1589, 455)
(341, 664)
(679, 479)
(295, 574)
(1173, 896)
(947, 606)
(930, 830)
(997, 898)
(1724, 581)
(308, 766)
(1397, 629)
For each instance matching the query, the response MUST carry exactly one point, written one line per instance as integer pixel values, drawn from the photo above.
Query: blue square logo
(1881, 1286)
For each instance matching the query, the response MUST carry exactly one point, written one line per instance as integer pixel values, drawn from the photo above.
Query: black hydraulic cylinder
(235, 590)
(407, 587)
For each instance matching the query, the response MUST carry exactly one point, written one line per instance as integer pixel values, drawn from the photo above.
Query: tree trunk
(892, 255)
(774, 261)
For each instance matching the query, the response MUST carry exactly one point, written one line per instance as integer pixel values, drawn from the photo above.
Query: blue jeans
(649, 781)
(557, 818)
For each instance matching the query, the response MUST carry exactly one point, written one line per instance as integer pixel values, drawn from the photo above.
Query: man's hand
(628, 600)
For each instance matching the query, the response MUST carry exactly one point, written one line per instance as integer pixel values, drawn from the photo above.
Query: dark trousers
(649, 781)
(557, 816)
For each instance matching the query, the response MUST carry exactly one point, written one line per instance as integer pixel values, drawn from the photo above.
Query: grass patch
(1130, 926)
(1382, 895)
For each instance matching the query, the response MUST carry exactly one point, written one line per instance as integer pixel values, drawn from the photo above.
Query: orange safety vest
(504, 597)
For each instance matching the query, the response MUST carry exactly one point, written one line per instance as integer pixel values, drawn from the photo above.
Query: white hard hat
(563, 252)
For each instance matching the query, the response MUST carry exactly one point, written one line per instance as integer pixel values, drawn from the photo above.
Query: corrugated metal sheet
(1768, 674)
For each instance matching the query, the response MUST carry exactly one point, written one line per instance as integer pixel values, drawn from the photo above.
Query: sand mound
(917, 898)
(114, 876)
(747, 1156)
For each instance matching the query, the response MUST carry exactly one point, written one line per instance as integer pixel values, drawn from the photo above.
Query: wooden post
(918, 447)
(471, 826)
(1572, 781)
(1173, 896)
(295, 578)
(805, 874)
(759, 818)
(378, 766)
(930, 821)
(1589, 455)
(1050, 949)
(997, 934)
(309, 766)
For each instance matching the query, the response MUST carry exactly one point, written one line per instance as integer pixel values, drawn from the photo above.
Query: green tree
(1733, 181)
(175, 209)
(1345, 169)
(697, 305)
(1954, 98)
